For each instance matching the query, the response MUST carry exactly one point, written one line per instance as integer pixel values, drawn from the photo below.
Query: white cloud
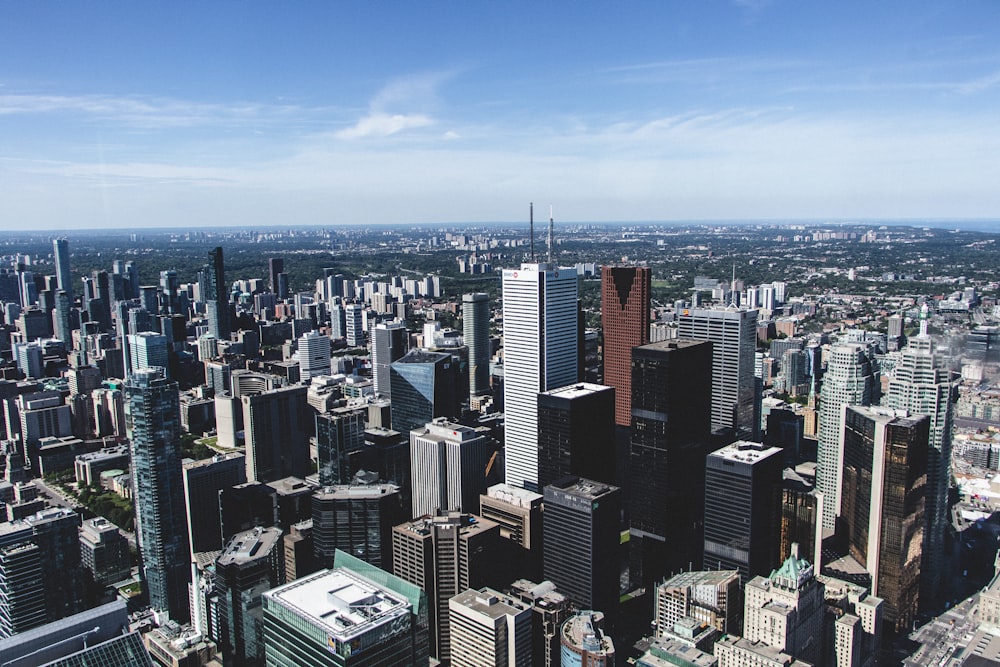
(379, 124)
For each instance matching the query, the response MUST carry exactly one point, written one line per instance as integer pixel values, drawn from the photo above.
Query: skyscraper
(584, 642)
(733, 334)
(476, 332)
(60, 254)
(884, 488)
(340, 437)
(357, 519)
(580, 542)
(148, 350)
(275, 266)
(576, 433)
(423, 387)
(152, 416)
(445, 555)
(848, 380)
(277, 425)
(540, 353)
(217, 296)
(203, 481)
(918, 385)
(625, 297)
(742, 508)
(448, 467)
(670, 437)
(389, 344)
(313, 355)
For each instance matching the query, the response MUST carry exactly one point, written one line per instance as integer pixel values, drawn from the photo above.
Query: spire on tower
(550, 234)
(531, 226)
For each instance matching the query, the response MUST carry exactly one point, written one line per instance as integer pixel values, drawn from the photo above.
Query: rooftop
(579, 389)
(490, 603)
(250, 545)
(746, 452)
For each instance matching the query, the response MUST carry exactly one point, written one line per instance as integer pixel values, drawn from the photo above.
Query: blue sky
(116, 114)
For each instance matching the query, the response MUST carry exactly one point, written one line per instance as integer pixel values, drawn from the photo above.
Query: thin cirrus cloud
(418, 92)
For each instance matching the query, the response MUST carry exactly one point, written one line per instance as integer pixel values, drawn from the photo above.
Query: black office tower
(580, 542)
(743, 508)
(576, 433)
(671, 431)
(217, 297)
(275, 267)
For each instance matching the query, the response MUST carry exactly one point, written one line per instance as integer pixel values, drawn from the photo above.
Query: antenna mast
(531, 224)
(550, 234)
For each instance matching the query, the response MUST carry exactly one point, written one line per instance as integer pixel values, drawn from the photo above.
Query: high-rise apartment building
(742, 505)
(884, 489)
(217, 296)
(447, 467)
(576, 433)
(489, 629)
(313, 355)
(277, 425)
(153, 422)
(445, 555)
(60, 254)
(540, 353)
(670, 437)
(919, 386)
(733, 334)
(580, 542)
(625, 302)
(476, 333)
(423, 387)
(389, 343)
(354, 325)
(848, 380)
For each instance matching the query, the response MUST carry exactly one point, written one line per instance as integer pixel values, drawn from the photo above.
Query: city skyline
(237, 114)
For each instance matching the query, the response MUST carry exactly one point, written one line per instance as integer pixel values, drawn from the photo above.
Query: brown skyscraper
(625, 319)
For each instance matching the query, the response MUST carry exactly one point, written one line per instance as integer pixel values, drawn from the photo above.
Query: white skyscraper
(489, 629)
(848, 380)
(540, 354)
(313, 355)
(447, 467)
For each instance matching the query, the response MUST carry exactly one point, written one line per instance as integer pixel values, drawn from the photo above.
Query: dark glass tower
(576, 433)
(60, 251)
(275, 267)
(152, 418)
(423, 387)
(476, 332)
(625, 320)
(671, 430)
(217, 297)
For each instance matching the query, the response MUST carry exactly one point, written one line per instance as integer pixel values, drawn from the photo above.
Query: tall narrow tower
(540, 353)
(625, 296)
(848, 380)
(217, 299)
(60, 251)
(152, 416)
(476, 332)
(917, 385)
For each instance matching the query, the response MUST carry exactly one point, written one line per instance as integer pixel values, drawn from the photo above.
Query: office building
(919, 386)
(217, 296)
(60, 255)
(742, 505)
(424, 386)
(445, 555)
(357, 519)
(670, 437)
(340, 439)
(848, 380)
(152, 416)
(354, 325)
(41, 574)
(313, 355)
(853, 626)
(540, 353)
(576, 433)
(581, 541)
(785, 610)
(104, 551)
(62, 318)
(583, 642)
(801, 518)
(251, 563)
(389, 344)
(884, 489)
(625, 304)
(489, 629)
(476, 333)
(733, 334)
(277, 425)
(345, 617)
(550, 609)
(148, 350)
(275, 266)
(711, 597)
(203, 482)
(735, 651)
(447, 467)
(519, 515)
(30, 359)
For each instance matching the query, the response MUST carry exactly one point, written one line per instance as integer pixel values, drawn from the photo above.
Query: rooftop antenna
(550, 234)
(924, 314)
(732, 288)
(531, 223)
